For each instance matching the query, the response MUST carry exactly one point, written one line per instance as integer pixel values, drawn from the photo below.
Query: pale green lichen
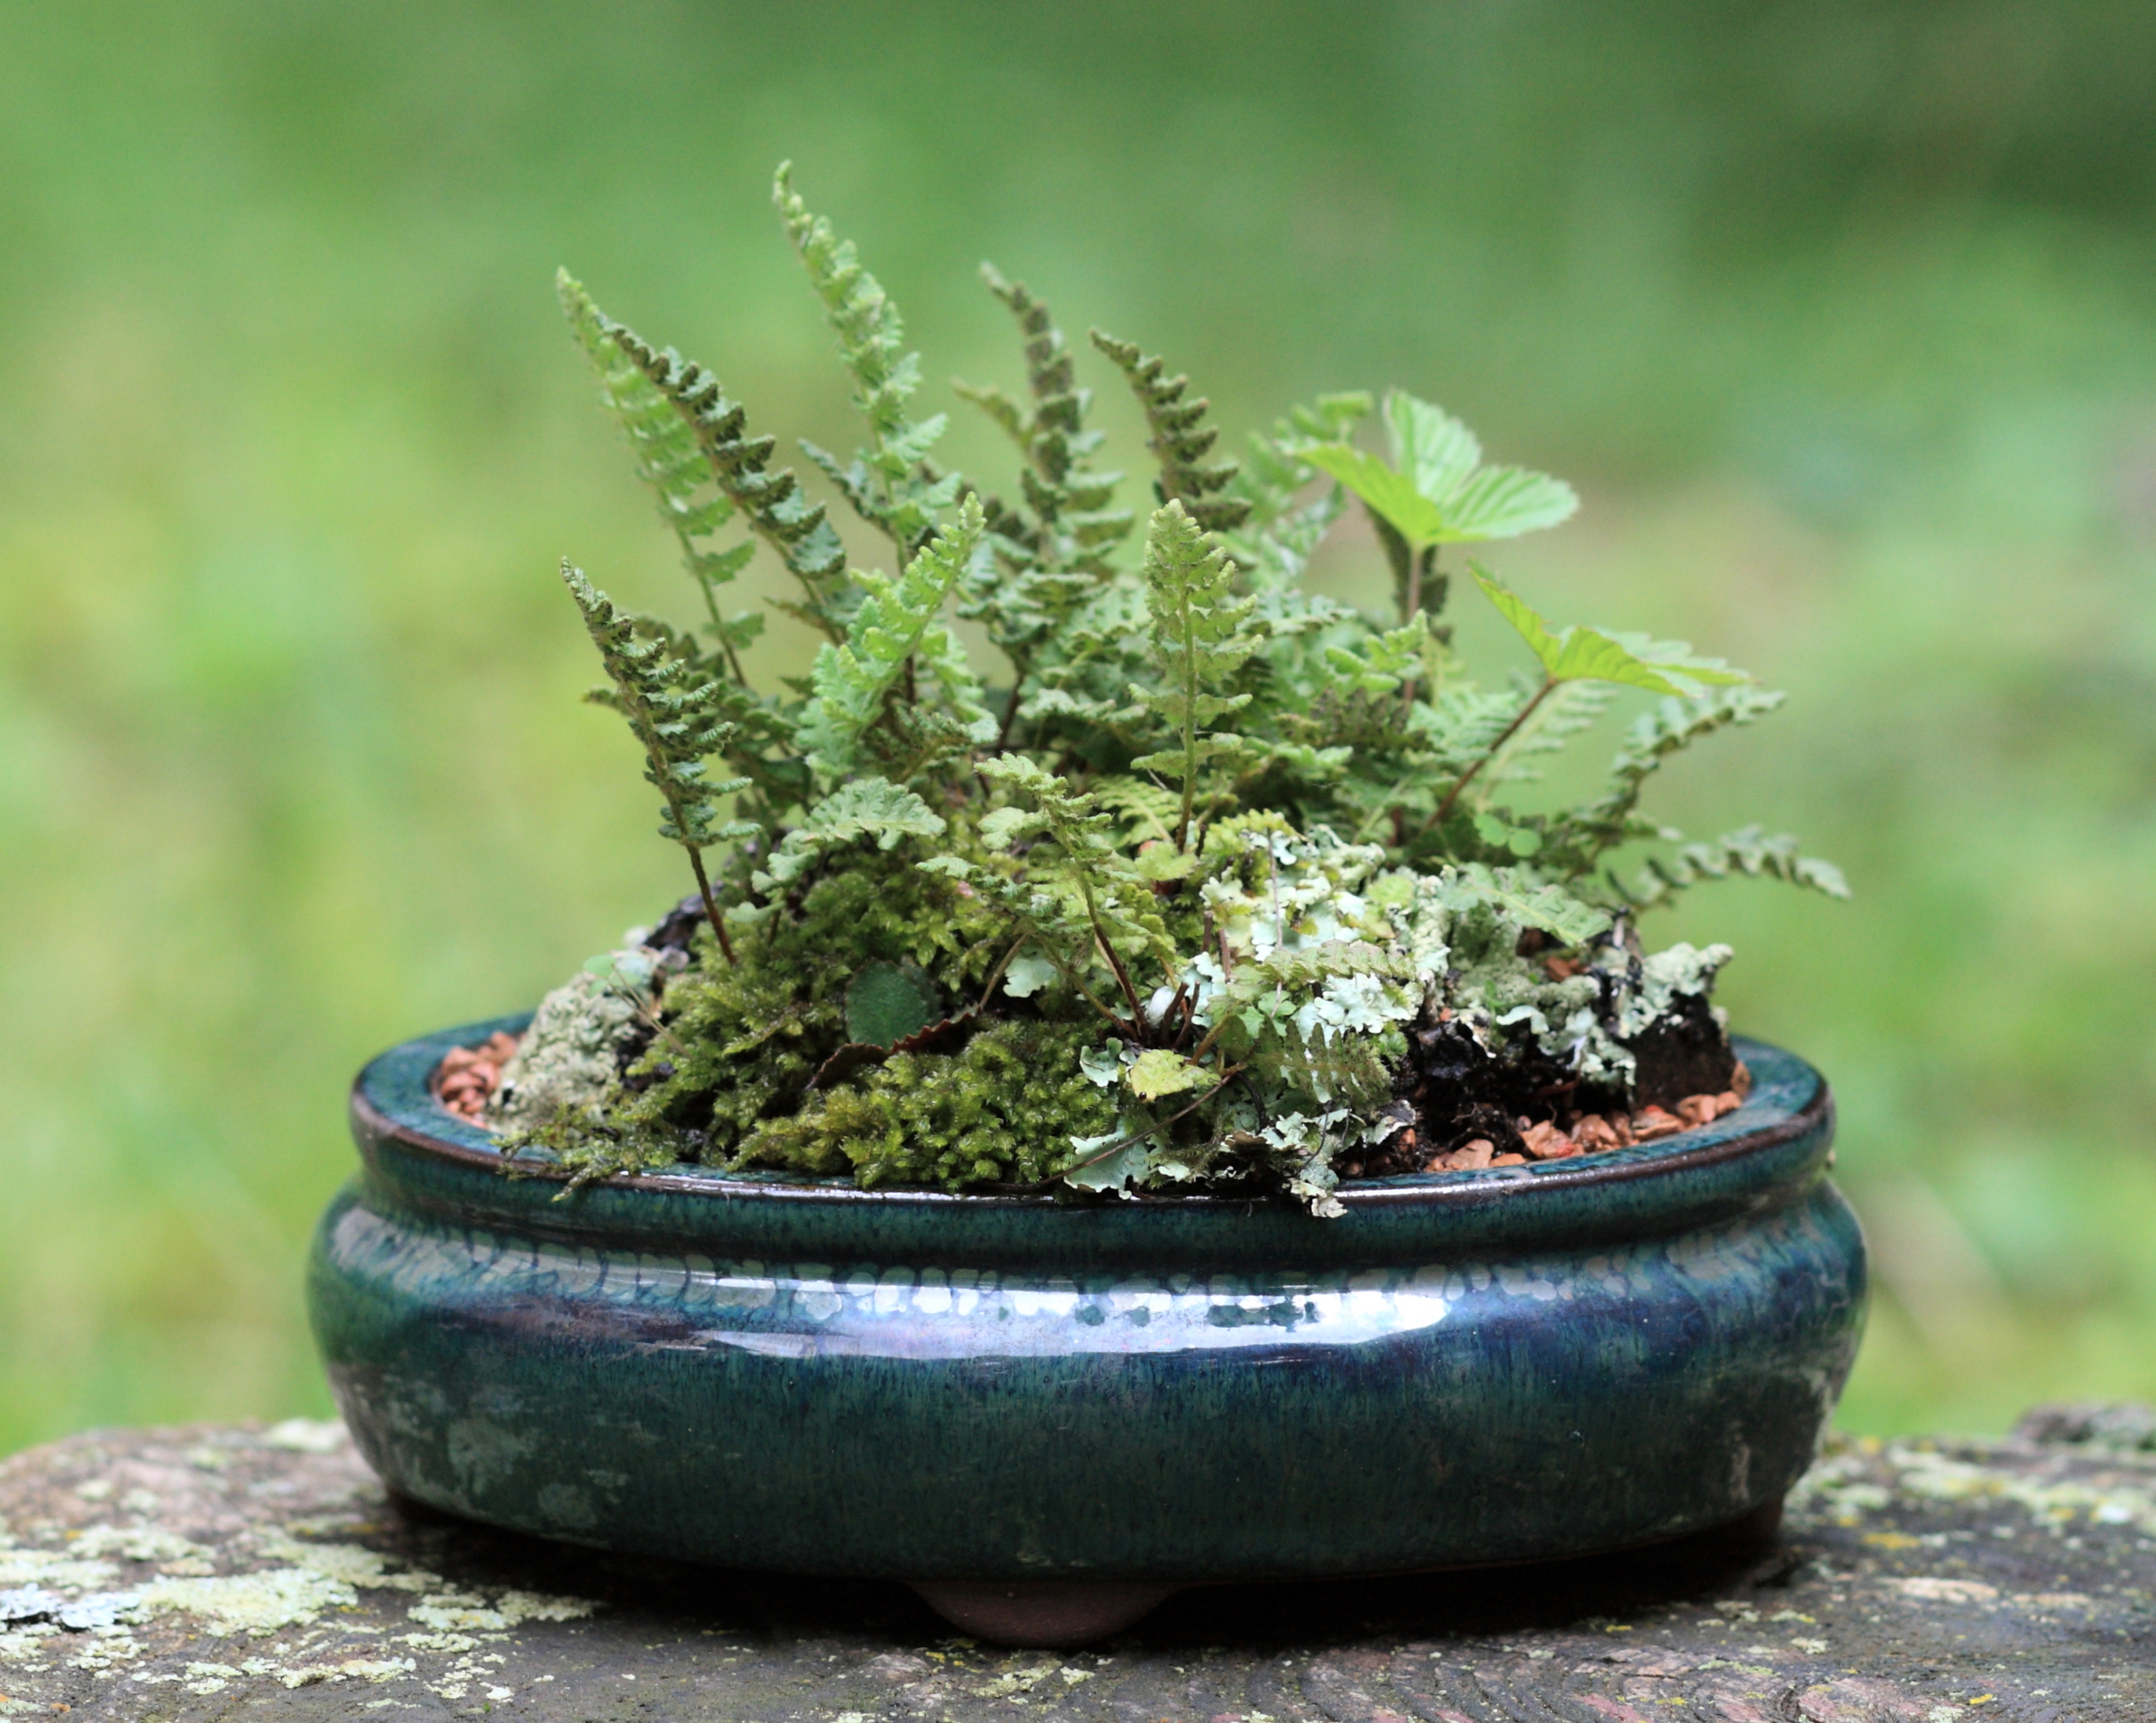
(568, 1060)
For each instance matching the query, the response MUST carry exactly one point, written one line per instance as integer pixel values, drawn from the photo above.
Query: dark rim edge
(1371, 1194)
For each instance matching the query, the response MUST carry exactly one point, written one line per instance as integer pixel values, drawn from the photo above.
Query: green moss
(1003, 1110)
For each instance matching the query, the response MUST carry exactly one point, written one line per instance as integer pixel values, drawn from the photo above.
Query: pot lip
(1763, 1123)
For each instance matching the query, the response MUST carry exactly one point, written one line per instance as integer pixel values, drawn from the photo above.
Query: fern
(1579, 838)
(1049, 560)
(1199, 642)
(889, 484)
(1091, 891)
(1747, 852)
(1181, 440)
(772, 503)
(671, 460)
(674, 715)
(1077, 530)
(1194, 875)
(861, 807)
(893, 642)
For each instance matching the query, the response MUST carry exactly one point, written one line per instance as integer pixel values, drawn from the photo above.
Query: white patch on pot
(740, 1286)
(933, 1297)
(892, 1289)
(1517, 1282)
(1053, 1297)
(816, 1299)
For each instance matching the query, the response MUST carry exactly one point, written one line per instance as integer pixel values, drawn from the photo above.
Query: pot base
(1055, 1615)
(1051, 1614)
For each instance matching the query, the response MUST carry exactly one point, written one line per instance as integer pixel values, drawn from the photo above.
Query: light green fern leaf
(891, 485)
(896, 625)
(1749, 852)
(861, 807)
(1200, 642)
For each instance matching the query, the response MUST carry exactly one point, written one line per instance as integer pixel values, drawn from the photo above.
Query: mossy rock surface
(1914, 1582)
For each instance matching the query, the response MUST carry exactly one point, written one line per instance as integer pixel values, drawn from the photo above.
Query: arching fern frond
(1577, 840)
(1181, 439)
(771, 502)
(1748, 852)
(890, 484)
(670, 461)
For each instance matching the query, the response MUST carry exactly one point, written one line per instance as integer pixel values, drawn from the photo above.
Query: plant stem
(1426, 563)
(710, 903)
(1010, 707)
(1489, 754)
(996, 974)
(1190, 741)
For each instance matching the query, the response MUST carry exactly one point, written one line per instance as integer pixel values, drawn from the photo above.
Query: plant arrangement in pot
(1049, 1052)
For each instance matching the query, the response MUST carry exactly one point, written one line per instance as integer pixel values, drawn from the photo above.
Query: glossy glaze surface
(1467, 1367)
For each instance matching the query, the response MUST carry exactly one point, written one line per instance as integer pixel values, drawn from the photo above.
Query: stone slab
(224, 1573)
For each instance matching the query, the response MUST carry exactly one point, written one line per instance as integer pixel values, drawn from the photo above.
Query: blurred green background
(1840, 315)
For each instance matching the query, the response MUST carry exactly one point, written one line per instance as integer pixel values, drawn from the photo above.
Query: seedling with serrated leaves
(1229, 880)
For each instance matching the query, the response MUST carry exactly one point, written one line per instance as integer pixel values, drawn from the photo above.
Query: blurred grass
(1838, 314)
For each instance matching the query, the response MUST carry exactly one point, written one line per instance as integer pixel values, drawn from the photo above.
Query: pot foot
(1051, 1614)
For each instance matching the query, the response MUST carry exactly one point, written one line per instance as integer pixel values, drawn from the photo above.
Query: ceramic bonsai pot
(1047, 1413)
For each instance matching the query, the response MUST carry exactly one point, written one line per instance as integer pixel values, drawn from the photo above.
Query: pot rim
(392, 1102)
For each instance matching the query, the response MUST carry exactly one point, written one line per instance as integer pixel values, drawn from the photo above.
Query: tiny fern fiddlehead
(674, 715)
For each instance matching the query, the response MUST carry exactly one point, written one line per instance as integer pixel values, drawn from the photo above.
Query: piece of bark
(1911, 1582)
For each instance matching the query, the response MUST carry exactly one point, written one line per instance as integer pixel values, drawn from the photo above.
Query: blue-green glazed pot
(1468, 1367)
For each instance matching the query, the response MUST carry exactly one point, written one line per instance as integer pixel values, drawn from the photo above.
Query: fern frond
(1200, 641)
(893, 635)
(861, 807)
(739, 465)
(1578, 839)
(1078, 529)
(891, 484)
(1117, 903)
(1149, 812)
(1570, 709)
(1749, 852)
(674, 713)
(670, 461)
(1181, 439)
